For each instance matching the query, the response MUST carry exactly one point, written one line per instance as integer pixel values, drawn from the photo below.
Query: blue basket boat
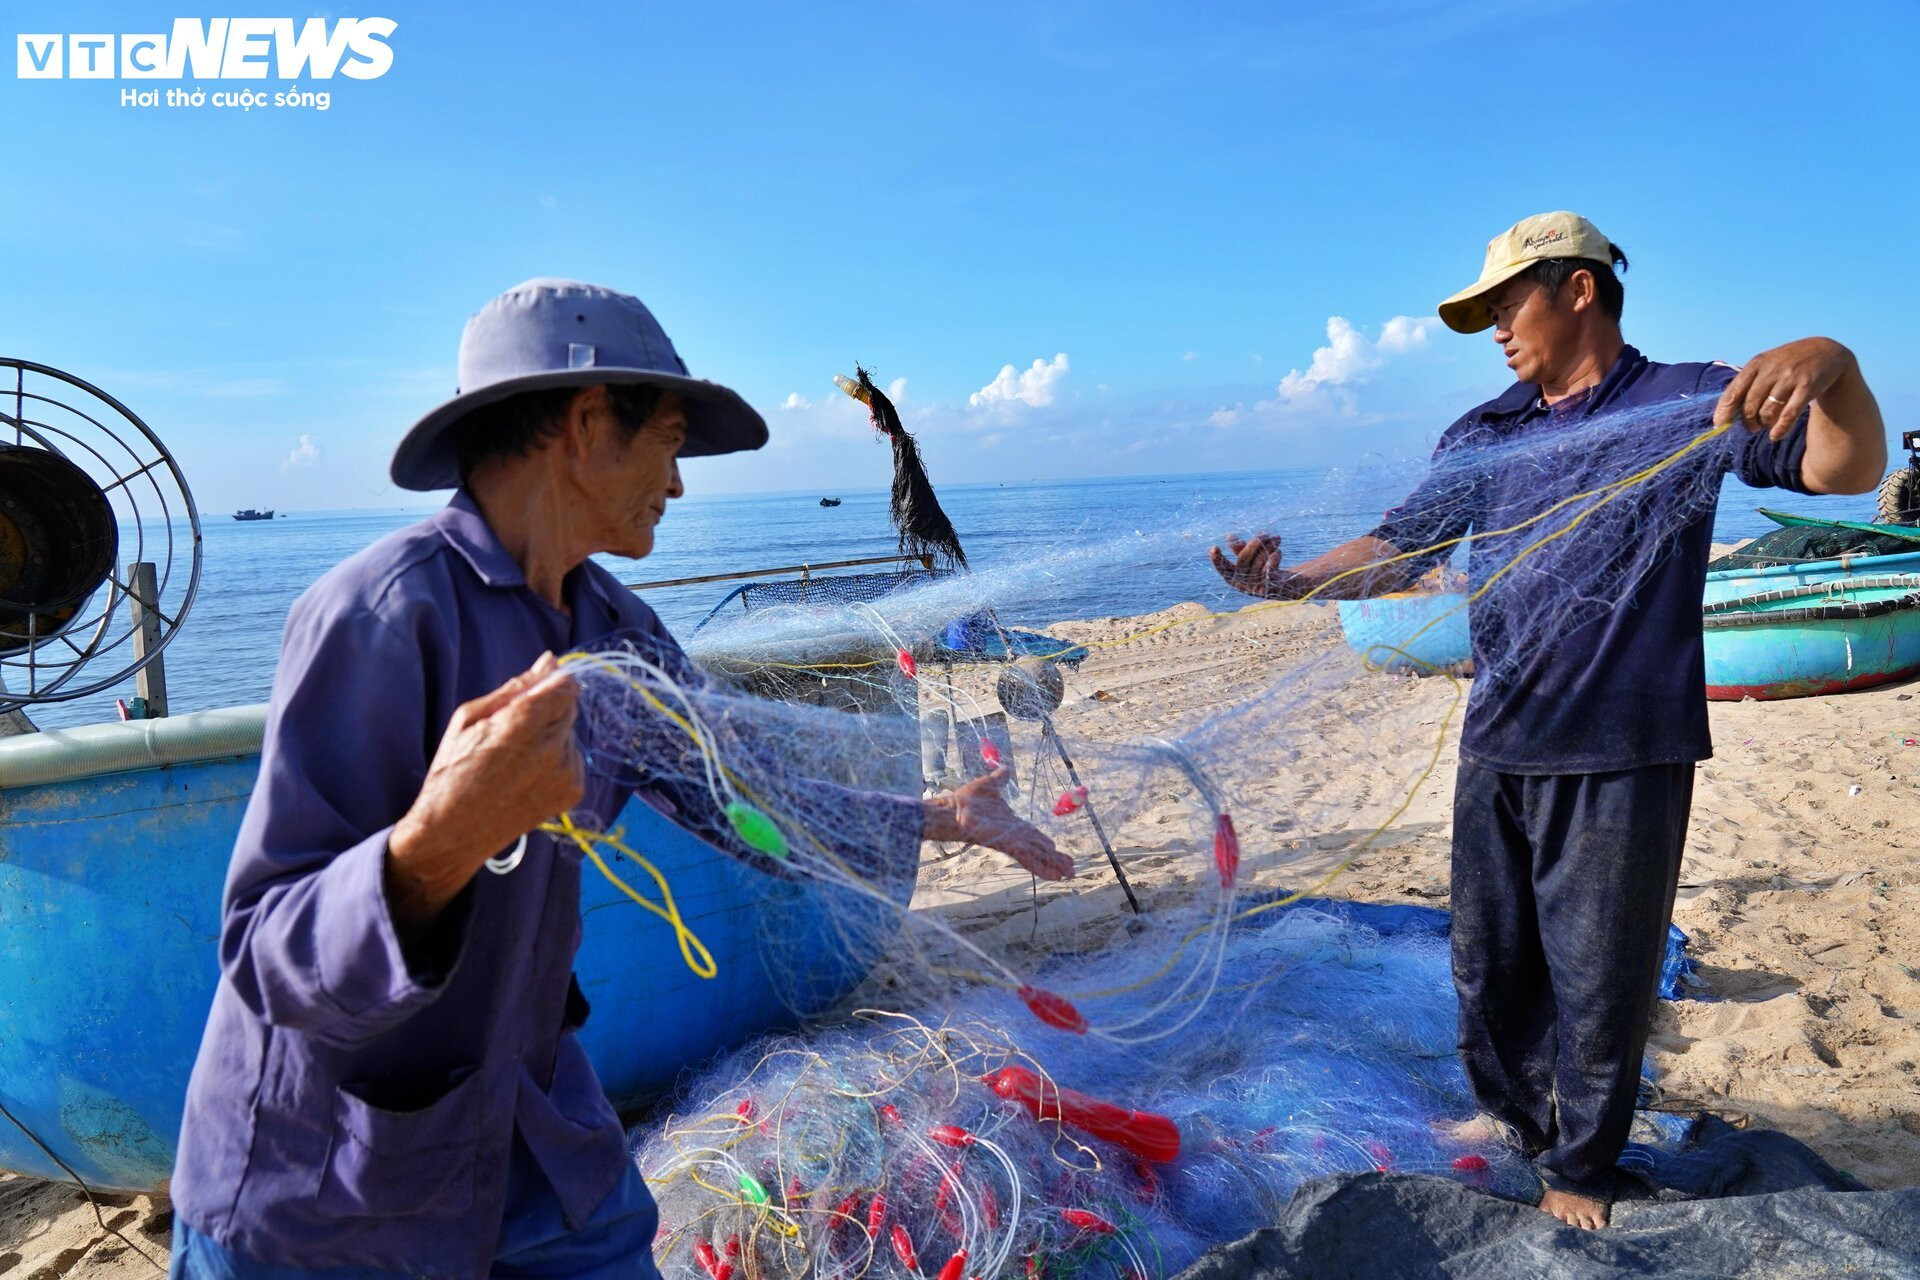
(1793, 639)
(113, 850)
(1408, 631)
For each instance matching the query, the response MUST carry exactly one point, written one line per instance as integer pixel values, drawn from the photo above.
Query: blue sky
(1164, 206)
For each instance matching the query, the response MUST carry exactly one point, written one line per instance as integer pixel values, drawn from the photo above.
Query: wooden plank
(143, 596)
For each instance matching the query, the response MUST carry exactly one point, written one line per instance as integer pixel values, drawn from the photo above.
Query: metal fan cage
(44, 408)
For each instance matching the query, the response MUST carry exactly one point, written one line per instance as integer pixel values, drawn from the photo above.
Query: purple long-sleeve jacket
(353, 1103)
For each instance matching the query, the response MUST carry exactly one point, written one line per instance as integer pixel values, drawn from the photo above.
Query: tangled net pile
(894, 1146)
(931, 1136)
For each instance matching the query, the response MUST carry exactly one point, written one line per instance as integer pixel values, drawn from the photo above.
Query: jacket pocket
(573, 1104)
(398, 1163)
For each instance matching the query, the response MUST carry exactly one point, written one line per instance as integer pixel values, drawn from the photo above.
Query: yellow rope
(692, 950)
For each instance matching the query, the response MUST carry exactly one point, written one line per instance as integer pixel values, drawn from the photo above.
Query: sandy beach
(1801, 892)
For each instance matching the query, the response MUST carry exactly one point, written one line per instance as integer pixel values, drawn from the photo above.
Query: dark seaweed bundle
(924, 527)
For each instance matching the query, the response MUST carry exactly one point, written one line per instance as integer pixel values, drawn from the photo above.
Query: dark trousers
(1562, 890)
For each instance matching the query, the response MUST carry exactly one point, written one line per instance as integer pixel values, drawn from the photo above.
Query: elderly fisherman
(1577, 760)
(389, 1083)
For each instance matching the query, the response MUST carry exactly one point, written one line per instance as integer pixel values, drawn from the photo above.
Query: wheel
(1900, 496)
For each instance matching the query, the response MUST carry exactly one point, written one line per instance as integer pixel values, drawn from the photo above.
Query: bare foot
(1482, 1128)
(1575, 1210)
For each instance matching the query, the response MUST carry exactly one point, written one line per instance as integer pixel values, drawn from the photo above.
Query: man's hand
(1255, 567)
(1775, 387)
(1846, 437)
(506, 764)
(977, 812)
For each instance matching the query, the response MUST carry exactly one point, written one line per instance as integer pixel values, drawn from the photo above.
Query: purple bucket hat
(562, 333)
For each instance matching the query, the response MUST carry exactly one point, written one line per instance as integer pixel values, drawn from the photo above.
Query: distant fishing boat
(249, 513)
(829, 502)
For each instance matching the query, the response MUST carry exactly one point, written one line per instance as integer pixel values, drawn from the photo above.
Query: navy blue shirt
(1624, 685)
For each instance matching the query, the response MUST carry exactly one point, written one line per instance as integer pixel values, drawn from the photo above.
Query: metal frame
(132, 467)
(804, 570)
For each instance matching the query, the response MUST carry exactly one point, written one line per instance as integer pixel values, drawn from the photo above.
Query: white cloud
(1404, 333)
(1350, 355)
(1191, 356)
(795, 400)
(1033, 388)
(1327, 387)
(304, 454)
(897, 391)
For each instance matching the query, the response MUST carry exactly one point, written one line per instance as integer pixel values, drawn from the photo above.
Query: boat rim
(1741, 611)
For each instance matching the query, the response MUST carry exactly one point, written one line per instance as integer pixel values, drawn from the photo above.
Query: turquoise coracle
(1424, 633)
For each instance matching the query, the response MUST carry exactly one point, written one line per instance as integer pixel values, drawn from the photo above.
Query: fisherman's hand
(1775, 387)
(506, 764)
(1252, 565)
(978, 812)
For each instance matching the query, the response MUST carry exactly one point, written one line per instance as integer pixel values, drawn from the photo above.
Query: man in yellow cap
(1577, 758)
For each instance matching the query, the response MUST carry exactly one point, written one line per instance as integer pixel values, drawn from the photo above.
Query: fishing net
(1167, 975)
(1806, 544)
(943, 1145)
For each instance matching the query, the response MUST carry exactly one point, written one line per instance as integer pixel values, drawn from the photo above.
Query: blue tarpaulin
(1388, 919)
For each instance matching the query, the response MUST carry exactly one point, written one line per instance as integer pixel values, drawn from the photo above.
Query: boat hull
(110, 893)
(1813, 638)
(1423, 633)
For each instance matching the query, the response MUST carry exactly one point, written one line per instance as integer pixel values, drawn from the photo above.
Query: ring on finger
(1775, 400)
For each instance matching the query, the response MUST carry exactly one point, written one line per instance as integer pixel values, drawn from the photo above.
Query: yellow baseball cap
(1544, 235)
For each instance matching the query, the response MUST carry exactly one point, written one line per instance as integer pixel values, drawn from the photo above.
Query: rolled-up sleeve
(308, 939)
(1759, 461)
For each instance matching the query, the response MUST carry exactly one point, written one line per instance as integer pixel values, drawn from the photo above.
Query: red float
(903, 1248)
(1055, 1011)
(1087, 1220)
(1226, 850)
(1147, 1135)
(950, 1135)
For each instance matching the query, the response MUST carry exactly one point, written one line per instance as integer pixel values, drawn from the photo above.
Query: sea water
(225, 653)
